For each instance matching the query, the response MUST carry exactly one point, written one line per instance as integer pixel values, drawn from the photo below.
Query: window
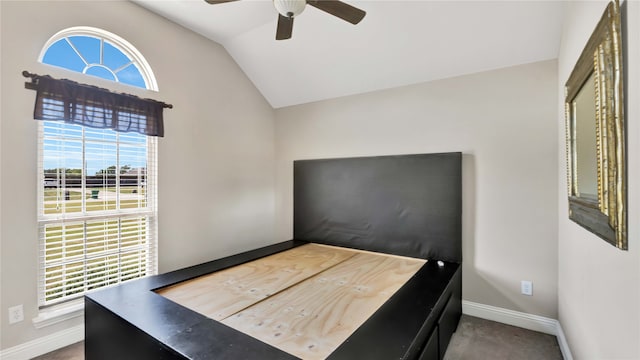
(97, 202)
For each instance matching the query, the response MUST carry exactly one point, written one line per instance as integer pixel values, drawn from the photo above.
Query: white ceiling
(397, 43)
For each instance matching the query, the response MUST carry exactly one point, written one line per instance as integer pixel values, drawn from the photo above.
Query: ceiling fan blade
(213, 2)
(285, 28)
(337, 8)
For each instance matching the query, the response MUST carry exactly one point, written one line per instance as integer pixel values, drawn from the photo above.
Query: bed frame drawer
(430, 351)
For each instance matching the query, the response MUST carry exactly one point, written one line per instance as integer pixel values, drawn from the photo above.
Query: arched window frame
(118, 42)
(52, 312)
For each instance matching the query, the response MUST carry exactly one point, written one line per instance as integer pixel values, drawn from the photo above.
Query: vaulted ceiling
(397, 43)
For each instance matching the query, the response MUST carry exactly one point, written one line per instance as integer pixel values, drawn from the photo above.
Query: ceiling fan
(289, 9)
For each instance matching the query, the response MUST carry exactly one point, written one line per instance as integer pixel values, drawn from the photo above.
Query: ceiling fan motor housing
(290, 8)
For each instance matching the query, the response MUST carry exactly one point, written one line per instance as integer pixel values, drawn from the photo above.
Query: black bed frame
(407, 205)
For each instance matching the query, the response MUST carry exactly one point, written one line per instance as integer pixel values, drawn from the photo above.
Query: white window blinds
(97, 209)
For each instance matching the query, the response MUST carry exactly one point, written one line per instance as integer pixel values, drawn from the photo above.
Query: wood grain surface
(305, 301)
(311, 319)
(224, 293)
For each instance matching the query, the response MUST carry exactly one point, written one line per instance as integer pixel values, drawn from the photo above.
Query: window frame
(118, 42)
(53, 312)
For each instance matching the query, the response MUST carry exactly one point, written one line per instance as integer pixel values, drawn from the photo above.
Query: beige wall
(503, 121)
(599, 285)
(220, 132)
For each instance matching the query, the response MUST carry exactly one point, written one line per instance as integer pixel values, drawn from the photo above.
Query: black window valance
(81, 104)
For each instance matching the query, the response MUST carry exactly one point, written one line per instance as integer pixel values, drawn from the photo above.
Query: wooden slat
(311, 319)
(223, 293)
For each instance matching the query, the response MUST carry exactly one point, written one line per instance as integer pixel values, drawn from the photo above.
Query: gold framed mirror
(596, 159)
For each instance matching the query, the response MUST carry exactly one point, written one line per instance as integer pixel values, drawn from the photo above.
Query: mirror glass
(586, 153)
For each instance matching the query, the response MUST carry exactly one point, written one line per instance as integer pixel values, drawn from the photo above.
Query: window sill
(59, 313)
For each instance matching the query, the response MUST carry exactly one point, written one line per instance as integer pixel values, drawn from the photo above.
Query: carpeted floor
(479, 339)
(475, 339)
(71, 352)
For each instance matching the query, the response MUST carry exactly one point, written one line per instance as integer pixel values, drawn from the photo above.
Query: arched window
(97, 195)
(98, 53)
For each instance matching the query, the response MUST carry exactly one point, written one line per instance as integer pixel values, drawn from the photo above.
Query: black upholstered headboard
(407, 205)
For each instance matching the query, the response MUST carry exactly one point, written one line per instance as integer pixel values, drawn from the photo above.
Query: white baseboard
(44, 344)
(519, 319)
(564, 346)
(510, 317)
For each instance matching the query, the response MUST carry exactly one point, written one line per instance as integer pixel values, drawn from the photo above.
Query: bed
(373, 272)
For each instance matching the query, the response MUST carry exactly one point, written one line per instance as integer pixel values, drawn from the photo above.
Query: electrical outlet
(16, 314)
(526, 287)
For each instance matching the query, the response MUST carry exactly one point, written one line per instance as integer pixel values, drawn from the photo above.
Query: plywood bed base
(360, 280)
(305, 301)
